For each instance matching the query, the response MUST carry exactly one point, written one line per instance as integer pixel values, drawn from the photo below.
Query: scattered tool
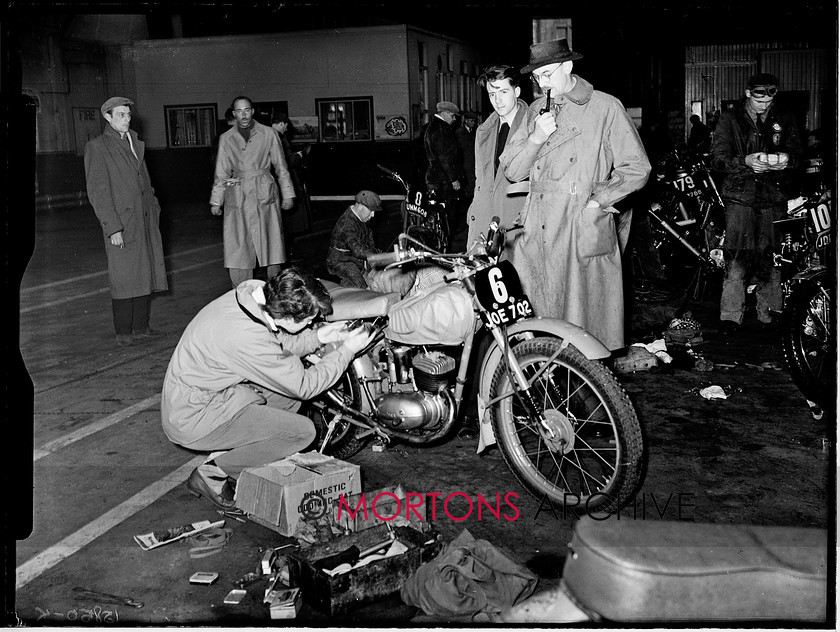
(235, 514)
(85, 594)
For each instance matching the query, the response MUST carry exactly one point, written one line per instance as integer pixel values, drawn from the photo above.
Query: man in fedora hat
(121, 194)
(582, 155)
(445, 173)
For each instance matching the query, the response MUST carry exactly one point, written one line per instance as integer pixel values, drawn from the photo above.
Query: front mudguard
(571, 334)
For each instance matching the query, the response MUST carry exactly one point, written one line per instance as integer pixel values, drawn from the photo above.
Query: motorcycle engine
(425, 407)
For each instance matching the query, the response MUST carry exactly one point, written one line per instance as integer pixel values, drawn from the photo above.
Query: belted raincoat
(568, 256)
(253, 225)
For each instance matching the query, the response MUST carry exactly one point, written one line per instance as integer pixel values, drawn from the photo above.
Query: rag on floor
(468, 577)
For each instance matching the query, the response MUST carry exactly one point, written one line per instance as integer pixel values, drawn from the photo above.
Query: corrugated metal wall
(717, 73)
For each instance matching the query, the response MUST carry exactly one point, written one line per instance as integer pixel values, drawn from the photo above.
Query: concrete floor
(104, 471)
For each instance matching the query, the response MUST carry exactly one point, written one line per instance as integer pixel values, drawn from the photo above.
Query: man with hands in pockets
(582, 156)
(235, 381)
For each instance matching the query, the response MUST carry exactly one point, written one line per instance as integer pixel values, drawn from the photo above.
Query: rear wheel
(808, 338)
(344, 441)
(589, 453)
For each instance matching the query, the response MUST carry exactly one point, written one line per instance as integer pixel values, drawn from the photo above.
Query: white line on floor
(92, 275)
(75, 297)
(74, 542)
(62, 442)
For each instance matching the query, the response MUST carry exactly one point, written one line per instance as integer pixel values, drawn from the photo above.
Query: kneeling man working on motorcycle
(236, 380)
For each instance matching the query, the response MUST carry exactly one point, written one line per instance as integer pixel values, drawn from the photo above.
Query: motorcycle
(804, 240)
(423, 217)
(565, 427)
(689, 219)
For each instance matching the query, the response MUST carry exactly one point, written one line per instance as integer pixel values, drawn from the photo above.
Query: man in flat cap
(121, 194)
(583, 154)
(445, 173)
(756, 145)
(352, 240)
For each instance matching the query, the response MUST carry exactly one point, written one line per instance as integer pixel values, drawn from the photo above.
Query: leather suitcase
(626, 570)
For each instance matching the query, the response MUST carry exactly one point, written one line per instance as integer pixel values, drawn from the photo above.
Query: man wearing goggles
(757, 145)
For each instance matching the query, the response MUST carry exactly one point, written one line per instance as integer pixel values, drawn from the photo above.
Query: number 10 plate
(499, 292)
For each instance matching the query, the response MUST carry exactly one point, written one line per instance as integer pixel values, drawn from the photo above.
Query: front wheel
(589, 452)
(344, 441)
(808, 338)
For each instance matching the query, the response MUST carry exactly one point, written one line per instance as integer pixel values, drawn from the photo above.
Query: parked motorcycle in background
(564, 425)
(805, 252)
(423, 217)
(688, 224)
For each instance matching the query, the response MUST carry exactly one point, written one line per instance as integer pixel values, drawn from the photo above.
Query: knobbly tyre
(805, 248)
(423, 217)
(564, 425)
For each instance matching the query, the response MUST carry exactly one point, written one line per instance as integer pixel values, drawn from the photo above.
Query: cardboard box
(337, 594)
(303, 486)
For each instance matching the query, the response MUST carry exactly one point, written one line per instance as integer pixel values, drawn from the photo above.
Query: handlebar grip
(383, 259)
(385, 169)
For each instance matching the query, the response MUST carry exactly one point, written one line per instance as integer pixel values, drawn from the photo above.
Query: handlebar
(383, 259)
(386, 170)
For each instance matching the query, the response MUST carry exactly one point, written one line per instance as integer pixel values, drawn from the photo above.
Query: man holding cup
(757, 146)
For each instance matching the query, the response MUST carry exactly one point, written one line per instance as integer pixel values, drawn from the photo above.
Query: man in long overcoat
(244, 185)
(121, 194)
(583, 155)
(491, 194)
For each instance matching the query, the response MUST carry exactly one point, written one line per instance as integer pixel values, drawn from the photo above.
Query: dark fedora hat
(553, 52)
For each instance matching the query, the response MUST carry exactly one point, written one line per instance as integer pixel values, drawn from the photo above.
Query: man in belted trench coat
(253, 225)
(121, 194)
(582, 156)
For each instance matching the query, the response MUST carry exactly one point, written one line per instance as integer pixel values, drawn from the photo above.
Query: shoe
(469, 428)
(728, 327)
(197, 486)
(124, 340)
(148, 332)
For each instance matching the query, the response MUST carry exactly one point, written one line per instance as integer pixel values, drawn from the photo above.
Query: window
(345, 119)
(264, 111)
(190, 125)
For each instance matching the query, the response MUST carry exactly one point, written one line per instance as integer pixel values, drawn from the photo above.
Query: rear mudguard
(571, 334)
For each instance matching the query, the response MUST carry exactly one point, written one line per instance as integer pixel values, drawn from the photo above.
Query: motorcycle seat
(350, 303)
(653, 570)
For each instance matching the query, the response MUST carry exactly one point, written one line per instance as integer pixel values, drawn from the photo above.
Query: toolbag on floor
(676, 571)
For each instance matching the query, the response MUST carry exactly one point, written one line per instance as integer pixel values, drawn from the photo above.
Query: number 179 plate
(499, 292)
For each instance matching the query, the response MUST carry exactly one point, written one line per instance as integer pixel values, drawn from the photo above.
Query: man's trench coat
(121, 194)
(568, 256)
(253, 225)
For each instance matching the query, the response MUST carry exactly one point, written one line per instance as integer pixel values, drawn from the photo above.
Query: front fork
(524, 392)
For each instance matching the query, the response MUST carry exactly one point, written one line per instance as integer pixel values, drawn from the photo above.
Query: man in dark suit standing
(121, 193)
(445, 173)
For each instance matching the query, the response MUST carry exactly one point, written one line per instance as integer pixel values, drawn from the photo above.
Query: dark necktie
(501, 139)
(128, 146)
(759, 124)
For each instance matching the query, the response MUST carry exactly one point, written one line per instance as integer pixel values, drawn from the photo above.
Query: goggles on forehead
(759, 93)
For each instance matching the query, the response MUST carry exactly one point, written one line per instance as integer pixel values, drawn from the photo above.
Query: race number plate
(686, 185)
(499, 292)
(415, 206)
(821, 220)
